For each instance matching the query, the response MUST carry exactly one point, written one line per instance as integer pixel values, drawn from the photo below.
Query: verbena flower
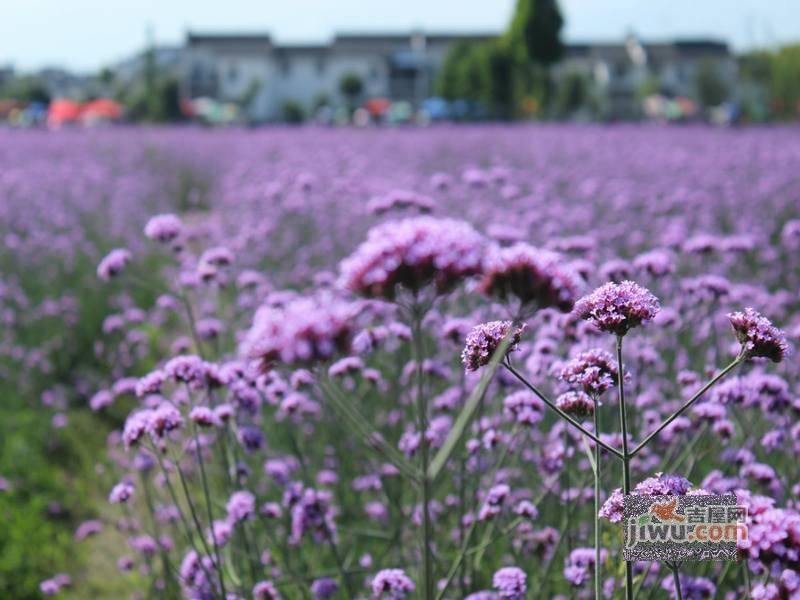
(412, 254)
(660, 485)
(312, 514)
(162, 420)
(576, 403)
(392, 584)
(510, 583)
(618, 307)
(113, 264)
(594, 371)
(304, 330)
(265, 590)
(324, 588)
(204, 417)
(241, 506)
(163, 228)
(535, 277)
(692, 588)
(484, 339)
(121, 493)
(758, 336)
(524, 407)
(400, 199)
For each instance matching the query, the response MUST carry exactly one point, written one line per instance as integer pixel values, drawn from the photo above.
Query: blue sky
(86, 34)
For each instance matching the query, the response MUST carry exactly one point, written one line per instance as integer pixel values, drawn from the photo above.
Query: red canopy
(377, 106)
(63, 111)
(102, 108)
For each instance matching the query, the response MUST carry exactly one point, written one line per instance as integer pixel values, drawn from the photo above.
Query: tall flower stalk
(597, 482)
(626, 457)
(417, 315)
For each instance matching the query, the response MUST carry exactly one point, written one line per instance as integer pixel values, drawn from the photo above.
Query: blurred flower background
(373, 355)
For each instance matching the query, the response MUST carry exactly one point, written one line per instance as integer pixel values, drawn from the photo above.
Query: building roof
(389, 41)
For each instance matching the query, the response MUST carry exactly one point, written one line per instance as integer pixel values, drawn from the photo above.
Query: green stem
(207, 497)
(688, 403)
(747, 585)
(464, 550)
(561, 413)
(422, 425)
(597, 584)
(184, 520)
(626, 458)
(676, 580)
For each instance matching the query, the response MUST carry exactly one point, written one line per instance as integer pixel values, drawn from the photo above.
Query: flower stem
(422, 425)
(561, 413)
(626, 458)
(688, 403)
(597, 578)
(747, 585)
(676, 580)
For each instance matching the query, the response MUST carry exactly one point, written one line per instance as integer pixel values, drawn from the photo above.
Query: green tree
(785, 82)
(497, 71)
(709, 85)
(25, 89)
(450, 81)
(156, 103)
(535, 32)
(293, 112)
(573, 94)
(351, 86)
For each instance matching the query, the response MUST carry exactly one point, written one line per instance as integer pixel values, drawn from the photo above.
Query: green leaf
(589, 454)
(468, 412)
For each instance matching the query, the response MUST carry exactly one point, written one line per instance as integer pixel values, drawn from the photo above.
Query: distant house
(620, 72)
(267, 75)
(251, 69)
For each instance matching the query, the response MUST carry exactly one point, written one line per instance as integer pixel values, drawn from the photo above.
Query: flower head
(533, 276)
(576, 403)
(113, 263)
(265, 590)
(758, 336)
(324, 588)
(510, 583)
(304, 330)
(412, 254)
(484, 339)
(241, 506)
(163, 228)
(121, 493)
(618, 307)
(660, 485)
(594, 371)
(392, 584)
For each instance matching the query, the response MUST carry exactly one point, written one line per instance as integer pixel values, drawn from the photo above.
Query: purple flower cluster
(594, 371)
(576, 403)
(398, 200)
(484, 339)
(758, 336)
(391, 584)
(304, 330)
(618, 307)
(113, 264)
(510, 583)
(660, 485)
(412, 254)
(163, 228)
(534, 277)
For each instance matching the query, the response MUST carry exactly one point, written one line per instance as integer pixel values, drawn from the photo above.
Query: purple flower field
(401, 363)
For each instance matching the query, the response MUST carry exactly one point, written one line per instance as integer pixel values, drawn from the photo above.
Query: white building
(238, 67)
(251, 70)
